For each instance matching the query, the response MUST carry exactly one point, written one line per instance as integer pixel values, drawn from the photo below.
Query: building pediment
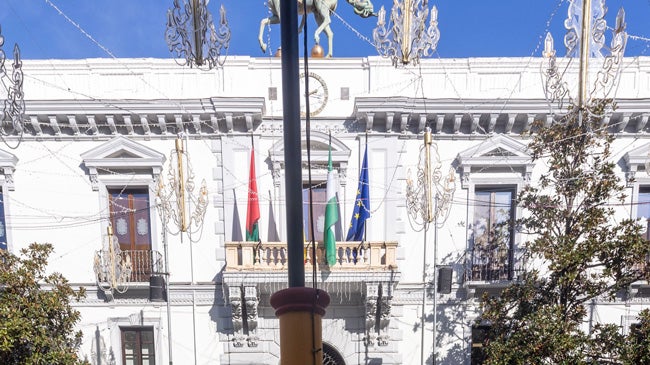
(495, 154)
(637, 160)
(320, 143)
(8, 165)
(122, 154)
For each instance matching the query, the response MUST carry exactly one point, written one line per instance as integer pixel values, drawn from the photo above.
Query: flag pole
(297, 306)
(365, 155)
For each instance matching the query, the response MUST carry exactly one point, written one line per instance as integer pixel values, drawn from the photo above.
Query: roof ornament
(322, 12)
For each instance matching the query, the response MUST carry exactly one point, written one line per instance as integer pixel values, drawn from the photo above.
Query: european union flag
(361, 210)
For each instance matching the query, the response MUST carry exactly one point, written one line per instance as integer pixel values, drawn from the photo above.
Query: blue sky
(135, 28)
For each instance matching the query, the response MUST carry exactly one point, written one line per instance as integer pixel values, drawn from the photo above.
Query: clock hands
(316, 96)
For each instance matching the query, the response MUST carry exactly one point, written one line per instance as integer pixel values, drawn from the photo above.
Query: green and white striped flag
(331, 214)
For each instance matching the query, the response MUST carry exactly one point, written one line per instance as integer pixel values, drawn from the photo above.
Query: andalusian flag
(253, 209)
(331, 214)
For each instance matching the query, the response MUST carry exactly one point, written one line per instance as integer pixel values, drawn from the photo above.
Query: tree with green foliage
(578, 252)
(37, 321)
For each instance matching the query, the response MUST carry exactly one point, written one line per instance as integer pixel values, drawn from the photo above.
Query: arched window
(331, 356)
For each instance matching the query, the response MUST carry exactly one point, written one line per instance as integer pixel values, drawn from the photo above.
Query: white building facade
(100, 134)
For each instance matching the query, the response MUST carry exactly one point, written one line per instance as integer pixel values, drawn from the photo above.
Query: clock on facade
(317, 94)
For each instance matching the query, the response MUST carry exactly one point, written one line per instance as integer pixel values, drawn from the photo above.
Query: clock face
(317, 94)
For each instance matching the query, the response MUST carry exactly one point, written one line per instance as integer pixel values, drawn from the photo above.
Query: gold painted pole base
(295, 308)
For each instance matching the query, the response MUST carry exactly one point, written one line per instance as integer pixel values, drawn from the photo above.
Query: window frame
(320, 143)
(637, 203)
(8, 163)
(319, 190)
(132, 224)
(480, 167)
(138, 330)
(511, 247)
(140, 169)
(136, 319)
(4, 239)
(479, 334)
(636, 175)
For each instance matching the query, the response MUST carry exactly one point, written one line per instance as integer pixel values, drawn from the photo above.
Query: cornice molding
(83, 118)
(406, 115)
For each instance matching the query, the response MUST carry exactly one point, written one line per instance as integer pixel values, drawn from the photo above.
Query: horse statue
(322, 10)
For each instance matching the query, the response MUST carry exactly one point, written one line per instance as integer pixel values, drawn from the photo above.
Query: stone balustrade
(272, 256)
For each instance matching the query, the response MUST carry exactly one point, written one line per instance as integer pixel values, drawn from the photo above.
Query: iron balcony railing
(143, 264)
(500, 264)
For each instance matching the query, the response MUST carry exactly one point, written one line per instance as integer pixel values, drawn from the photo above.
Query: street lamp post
(428, 200)
(174, 200)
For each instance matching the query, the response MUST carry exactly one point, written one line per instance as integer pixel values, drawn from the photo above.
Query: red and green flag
(253, 209)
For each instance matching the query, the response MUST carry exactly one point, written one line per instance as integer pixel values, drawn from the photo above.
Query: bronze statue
(321, 10)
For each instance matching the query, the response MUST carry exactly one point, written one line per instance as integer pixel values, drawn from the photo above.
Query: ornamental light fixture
(13, 111)
(406, 37)
(192, 36)
(112, 266)
(176, 197)
(428, 201)
(585, 38)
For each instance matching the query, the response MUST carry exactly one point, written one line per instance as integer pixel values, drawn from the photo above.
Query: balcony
(138, 265)
(272, 256)
(364, 276)
(491, 270)
(265, 265)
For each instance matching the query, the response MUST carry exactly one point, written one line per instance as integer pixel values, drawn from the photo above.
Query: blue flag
(361, 210)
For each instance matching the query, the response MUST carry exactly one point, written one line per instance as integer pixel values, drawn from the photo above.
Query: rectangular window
(492, 253)
(479, 336)
(138, 346)
(643, 207)
(129, 210)
(319, 196)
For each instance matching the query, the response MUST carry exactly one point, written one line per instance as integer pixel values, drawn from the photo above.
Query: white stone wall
(53, 199)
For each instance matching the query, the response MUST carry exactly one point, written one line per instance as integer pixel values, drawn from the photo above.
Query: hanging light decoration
(429, 197)
(112, 266)
(428, 201)
(192, 36)
(176, 197)
(593, 46)
(13, 112)
(406, 38)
